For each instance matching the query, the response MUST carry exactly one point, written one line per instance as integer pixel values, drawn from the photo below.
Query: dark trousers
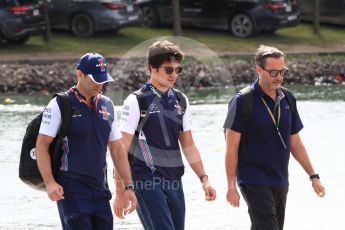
(84, 208)
(266, 206)
(161, 204)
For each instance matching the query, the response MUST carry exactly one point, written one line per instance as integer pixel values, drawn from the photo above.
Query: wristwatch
(202, 177)
(129, 187)
(314, 176)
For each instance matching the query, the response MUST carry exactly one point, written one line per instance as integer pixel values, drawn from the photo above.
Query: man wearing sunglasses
(257, 155)
(152, 134)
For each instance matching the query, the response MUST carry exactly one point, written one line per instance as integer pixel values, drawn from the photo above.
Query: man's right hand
(55, 191)
(233, 197)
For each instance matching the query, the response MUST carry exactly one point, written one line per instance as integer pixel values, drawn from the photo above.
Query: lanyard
(81, 98)
(275, 122)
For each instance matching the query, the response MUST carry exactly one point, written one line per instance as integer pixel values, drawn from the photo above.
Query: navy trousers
(266, 206)
(84, 208)
(161, 204)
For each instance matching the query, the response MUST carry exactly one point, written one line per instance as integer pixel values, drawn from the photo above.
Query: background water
(323, 135)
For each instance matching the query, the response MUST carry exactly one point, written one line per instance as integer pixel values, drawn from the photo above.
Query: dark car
(242, 17)
(331, 11)
(85, 17)
(20, 19)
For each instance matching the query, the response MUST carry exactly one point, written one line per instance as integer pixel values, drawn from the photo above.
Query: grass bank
(294, 39)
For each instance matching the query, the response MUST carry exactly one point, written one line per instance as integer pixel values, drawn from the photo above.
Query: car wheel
(82, 25)
(18, 40)
(241, 26)
(149, 17)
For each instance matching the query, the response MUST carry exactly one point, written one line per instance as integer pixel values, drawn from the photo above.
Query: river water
(323, 135)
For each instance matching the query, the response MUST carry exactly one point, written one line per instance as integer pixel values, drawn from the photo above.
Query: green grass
(294, 39)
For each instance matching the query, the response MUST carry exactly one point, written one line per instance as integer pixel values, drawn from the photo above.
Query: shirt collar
(258, 89)
(279, 97)
(82, 98)
(159, 93)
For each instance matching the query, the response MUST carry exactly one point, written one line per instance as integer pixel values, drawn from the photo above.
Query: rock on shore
(130, 74)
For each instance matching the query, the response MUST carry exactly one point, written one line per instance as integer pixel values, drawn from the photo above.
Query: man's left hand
(318, 187)
(210, 192)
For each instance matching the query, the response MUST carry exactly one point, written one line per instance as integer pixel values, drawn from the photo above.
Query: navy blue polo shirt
(264, 160)
(85, 148)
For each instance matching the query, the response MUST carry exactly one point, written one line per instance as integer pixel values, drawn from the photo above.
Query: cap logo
(101, 64)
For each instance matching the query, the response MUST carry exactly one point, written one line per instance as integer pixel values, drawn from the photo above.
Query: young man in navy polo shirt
(156, 160)
(80, 186)
(260, 163)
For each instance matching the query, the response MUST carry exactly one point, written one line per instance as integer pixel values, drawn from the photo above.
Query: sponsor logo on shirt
(155, 91)
(48, 116)
(47, 110)
(171, 93)
(179, 108)
(76, 114)
(154, 108)
(105, 113)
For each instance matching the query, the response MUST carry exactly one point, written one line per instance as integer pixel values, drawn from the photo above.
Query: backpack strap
(142, 109)
(291, 100)
(247, 108)
(181, 99)
(66, 117)
(142, 120)
(66, 113)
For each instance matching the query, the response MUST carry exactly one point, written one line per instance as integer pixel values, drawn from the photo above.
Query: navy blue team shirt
(84, 156)
(157, 153)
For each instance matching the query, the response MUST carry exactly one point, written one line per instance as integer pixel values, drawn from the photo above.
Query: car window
(26, 2)
(3, 3)
(287, 1)
(103, 1)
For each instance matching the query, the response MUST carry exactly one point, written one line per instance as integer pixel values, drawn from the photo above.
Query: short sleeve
(234, 116)
(115, 133)
(51, 119)
(130, 115)
(186, 121)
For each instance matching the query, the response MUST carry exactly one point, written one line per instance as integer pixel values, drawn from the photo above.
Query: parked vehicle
(20, 19)
(331, 11)
(242, 17)
(85, 17)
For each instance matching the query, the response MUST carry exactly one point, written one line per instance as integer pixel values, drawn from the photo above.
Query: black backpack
(247, 108)
(28, 169)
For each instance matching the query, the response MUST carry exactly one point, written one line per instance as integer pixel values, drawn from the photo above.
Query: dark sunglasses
(170, 70)
(274, 73)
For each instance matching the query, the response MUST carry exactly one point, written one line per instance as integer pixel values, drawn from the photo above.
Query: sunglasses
(274, 73)
(170, 70)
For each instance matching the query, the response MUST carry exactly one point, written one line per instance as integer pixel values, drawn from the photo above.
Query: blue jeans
(84, 208)
(161, 204)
